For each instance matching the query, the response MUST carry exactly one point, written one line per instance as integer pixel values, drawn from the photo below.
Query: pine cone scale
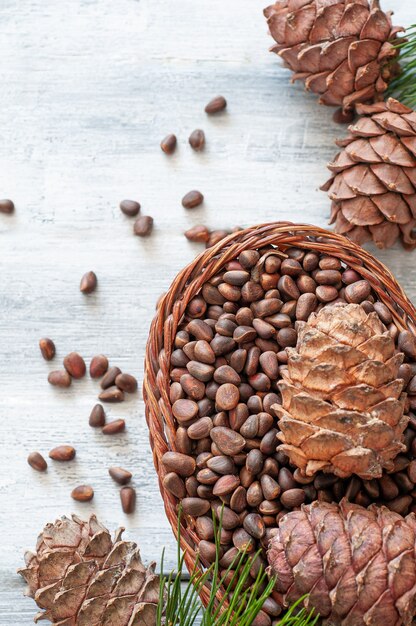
(358, 397)
(325, 445)
(391, 150)
(394, 208)
(360, 150)
(362, 212)
(411, 175)
(389, 411)
(118, 611)
(130, 583)
(79, 574)
(67, 603)
(91, 611)
(410, 143)
(325, 23)
(344, 421)
(143, 615)
(98, 546)
(53, 565)
(103, 582)
(353, 21)
(44, 597)
(151, 588)
(360, 53)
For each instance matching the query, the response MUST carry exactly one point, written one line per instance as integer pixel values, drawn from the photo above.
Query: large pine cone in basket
(342, 402)
(341, 49)
(219, 350)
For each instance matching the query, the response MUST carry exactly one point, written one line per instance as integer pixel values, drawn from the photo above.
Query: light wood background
(88, 90)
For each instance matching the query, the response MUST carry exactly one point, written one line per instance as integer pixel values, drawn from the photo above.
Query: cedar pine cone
(373, 187)
(341, 49)
(80, 577)
(342, 403)
(358, 565)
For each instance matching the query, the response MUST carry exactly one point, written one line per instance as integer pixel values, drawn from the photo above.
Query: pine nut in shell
(114, 428)
(47, 348)
(120, 475)
(128, 499)
(82, 493)
(37, 462)
(62, 453)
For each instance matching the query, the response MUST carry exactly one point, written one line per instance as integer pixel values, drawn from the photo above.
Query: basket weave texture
(188, 283)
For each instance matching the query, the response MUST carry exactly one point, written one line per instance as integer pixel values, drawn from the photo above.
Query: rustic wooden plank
(87, 94)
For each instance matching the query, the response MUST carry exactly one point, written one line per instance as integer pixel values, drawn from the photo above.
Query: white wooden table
(89, 88)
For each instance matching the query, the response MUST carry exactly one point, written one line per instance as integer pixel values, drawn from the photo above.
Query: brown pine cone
(80, 577)
(357, 565)
(342, 402)
(341, 49)
(373, 187)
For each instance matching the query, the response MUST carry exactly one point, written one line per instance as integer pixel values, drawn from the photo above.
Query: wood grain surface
(89, 88)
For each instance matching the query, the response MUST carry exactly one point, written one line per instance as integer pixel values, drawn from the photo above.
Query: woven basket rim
(188, 283)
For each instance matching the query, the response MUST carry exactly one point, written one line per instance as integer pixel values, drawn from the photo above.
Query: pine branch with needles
(232, 601)
(403, 88)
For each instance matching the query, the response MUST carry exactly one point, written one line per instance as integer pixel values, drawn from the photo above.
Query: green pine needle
(294, 617)
(236, 606)
(403, 88)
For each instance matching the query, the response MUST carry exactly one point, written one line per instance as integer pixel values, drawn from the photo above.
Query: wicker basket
(189, 282)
